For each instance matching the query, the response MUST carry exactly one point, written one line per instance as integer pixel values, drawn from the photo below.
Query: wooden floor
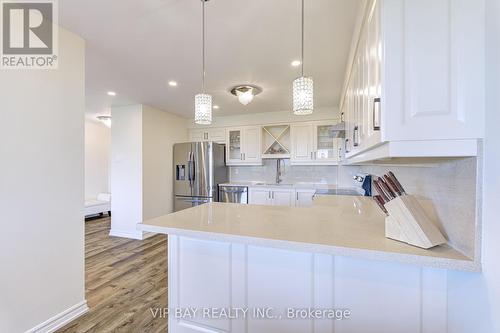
(124, 278)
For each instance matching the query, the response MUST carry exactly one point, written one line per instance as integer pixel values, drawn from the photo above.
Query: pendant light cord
(302, 37)
(203, 46)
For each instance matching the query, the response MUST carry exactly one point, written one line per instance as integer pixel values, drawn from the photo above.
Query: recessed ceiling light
(172, 83)
(216, 107)
(296, 63)
(111, 93)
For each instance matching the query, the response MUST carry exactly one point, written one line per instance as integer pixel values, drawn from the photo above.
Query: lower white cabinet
(216, 275)
(271, 196)
(283, 197)
(304, 197)
(259, 196)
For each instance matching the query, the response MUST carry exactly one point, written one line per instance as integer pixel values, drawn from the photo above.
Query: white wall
(126, 171)
(97, 155)
(474, 299)
(160, 130)
(42, 189)
(141, 169)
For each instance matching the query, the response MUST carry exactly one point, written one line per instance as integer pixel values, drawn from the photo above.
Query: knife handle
(387, 191)
(379, 191)
(396, 182)
(392, 186)
(380, 202)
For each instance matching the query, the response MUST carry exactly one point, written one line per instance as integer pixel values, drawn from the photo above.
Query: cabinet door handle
(355, 136)
(376, 114)
(297, 196)
(312, 156)
(241, 156)
(346, 145)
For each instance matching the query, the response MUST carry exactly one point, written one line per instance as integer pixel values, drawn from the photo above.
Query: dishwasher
(233, 194)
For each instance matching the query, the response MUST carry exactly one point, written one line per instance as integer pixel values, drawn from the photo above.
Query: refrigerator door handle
(189, 169)
(193, 170)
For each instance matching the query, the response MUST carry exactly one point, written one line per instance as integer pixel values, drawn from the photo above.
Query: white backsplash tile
(290, 174)
(449, 189)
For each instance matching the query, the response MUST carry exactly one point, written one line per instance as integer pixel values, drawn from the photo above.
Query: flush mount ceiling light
(203, 102)
(245, 93)
(172, 83)
(111, 93)
(106, 120)
(303, 87)
(296, 63)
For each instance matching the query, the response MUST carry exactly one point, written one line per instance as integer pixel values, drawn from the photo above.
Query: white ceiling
(136, 47)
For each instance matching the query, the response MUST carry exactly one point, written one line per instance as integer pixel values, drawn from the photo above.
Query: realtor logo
(29, 34)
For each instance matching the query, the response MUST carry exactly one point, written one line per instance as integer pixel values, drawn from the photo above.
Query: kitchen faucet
(278, 171)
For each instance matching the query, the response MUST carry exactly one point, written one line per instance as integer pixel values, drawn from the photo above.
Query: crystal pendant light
(203, 102)
(303, 87)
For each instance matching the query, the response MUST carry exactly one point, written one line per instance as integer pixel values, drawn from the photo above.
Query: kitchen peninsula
(236, 256)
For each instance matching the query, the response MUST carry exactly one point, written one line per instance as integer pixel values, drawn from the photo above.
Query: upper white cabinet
(208, 134)
(315, 143)
(302, 143)
(416, 86)
(243, 146)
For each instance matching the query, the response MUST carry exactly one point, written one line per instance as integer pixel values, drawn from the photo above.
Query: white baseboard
(61, 319)
(134, 234)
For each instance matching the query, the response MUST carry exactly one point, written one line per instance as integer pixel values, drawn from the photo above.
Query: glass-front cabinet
(327, 142)
(317, 143)
(234, 153)
(243, 146)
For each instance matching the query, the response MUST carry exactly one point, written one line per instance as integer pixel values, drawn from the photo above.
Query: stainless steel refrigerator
(199, 167)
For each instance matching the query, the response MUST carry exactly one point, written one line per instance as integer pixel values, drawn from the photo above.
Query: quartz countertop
(338, 225)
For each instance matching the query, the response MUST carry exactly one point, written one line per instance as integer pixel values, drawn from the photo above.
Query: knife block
(407, 222)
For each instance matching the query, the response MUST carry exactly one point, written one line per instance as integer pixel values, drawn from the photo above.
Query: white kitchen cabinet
(423, 98)
(243, 146)
(197, 135)
(259, 196)
(326, 143)
(283, 197)
(271, 196)
(251, 144)
(315, 143)
(232, 275)
(304, 197)
(302, 143)
(208, 134)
